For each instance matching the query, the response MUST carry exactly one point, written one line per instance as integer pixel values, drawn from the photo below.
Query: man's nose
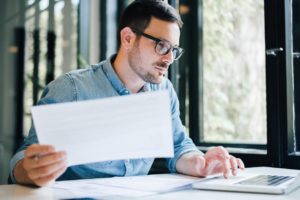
(169, 57)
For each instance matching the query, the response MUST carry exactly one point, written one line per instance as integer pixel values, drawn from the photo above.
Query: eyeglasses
(162, 47)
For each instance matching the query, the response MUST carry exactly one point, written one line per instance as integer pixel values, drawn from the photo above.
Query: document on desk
(116, 128)
(132, 186)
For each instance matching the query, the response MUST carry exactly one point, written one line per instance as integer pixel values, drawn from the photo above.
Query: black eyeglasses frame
(157, 41)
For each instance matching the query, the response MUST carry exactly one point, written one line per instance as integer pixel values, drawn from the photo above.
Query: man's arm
(215, 160)
(41, 165)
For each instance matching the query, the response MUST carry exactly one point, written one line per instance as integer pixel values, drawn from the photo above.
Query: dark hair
(138, 14)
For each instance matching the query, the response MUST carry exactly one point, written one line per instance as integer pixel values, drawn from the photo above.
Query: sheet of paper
(158, 183)
(95, 190)
(132, 186)
(125, 127)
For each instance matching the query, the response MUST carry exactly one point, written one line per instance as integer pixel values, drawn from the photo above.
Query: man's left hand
(216, 160)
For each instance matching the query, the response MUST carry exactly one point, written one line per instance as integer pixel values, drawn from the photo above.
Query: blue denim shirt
(101, 81)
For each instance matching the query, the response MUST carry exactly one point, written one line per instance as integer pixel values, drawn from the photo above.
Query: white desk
(15, 192)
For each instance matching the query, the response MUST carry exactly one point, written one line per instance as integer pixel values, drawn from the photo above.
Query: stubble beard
(135, 62)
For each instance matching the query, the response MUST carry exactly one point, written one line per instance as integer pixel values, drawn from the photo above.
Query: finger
(226, 168)
(214, 167)
(222, 152)
(39, 161)
(234, 165)
(48, 159)
(217, 153)
(47, 179)
(37, 149)
(240, 163)
(45, 171)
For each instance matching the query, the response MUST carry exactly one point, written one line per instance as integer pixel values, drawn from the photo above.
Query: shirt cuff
(15, 159)
(173, 161)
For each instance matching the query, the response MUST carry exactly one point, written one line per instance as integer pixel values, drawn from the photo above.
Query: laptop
(252, 182)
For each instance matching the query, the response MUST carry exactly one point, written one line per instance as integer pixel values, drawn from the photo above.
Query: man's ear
(127, 37)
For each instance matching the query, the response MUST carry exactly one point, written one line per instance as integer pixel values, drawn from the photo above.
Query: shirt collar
(115, 80)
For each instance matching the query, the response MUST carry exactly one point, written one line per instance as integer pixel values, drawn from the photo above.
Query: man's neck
(128, 77)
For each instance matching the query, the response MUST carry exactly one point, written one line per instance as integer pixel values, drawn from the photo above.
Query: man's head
(139, 13)
(149, 33)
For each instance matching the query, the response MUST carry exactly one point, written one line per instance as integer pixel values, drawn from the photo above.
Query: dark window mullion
(190, 66)
(276, 81)
(51, 38)
(19, 37)
(292, 156)
(289, 78)
(36, 61)
(103, 29)
(296, 42)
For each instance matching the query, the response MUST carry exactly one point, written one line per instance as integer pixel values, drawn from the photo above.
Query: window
(225, 92)
(50, 47)
(238, 81)
(234, 85)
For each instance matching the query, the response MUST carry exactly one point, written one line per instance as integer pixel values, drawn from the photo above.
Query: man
(149, 37)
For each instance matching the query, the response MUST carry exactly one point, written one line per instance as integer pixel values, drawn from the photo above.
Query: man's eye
(163, 47)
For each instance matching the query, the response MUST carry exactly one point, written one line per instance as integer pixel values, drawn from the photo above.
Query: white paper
(125, 127)
(95, 190)
(158, 183)
(132, 186)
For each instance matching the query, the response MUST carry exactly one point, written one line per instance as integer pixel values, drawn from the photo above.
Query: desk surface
(15, 192)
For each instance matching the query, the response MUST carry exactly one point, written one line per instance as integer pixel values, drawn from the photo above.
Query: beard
(135, 62)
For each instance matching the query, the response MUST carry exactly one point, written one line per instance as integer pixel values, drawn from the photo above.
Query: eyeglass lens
(163, 48)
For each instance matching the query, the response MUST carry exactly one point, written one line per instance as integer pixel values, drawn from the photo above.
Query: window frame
(279, 94)
(291, 158)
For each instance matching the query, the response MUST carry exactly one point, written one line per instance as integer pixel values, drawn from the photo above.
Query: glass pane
(66, 36)
(65, 50)
(30, 2)
(44, 4)
(44, 18)
(234, 71)
(29, 53)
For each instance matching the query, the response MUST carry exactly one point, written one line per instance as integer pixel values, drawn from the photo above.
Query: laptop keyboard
(265, 180)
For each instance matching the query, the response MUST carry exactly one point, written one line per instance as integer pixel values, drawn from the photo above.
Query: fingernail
(234, 172)
(227, 174)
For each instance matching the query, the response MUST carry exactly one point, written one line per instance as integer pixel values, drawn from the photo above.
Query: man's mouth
(162, 69)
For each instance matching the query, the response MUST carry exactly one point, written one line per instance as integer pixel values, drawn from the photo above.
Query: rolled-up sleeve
(182, 142)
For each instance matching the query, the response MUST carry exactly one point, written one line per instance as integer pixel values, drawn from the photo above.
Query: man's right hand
(40, 166)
